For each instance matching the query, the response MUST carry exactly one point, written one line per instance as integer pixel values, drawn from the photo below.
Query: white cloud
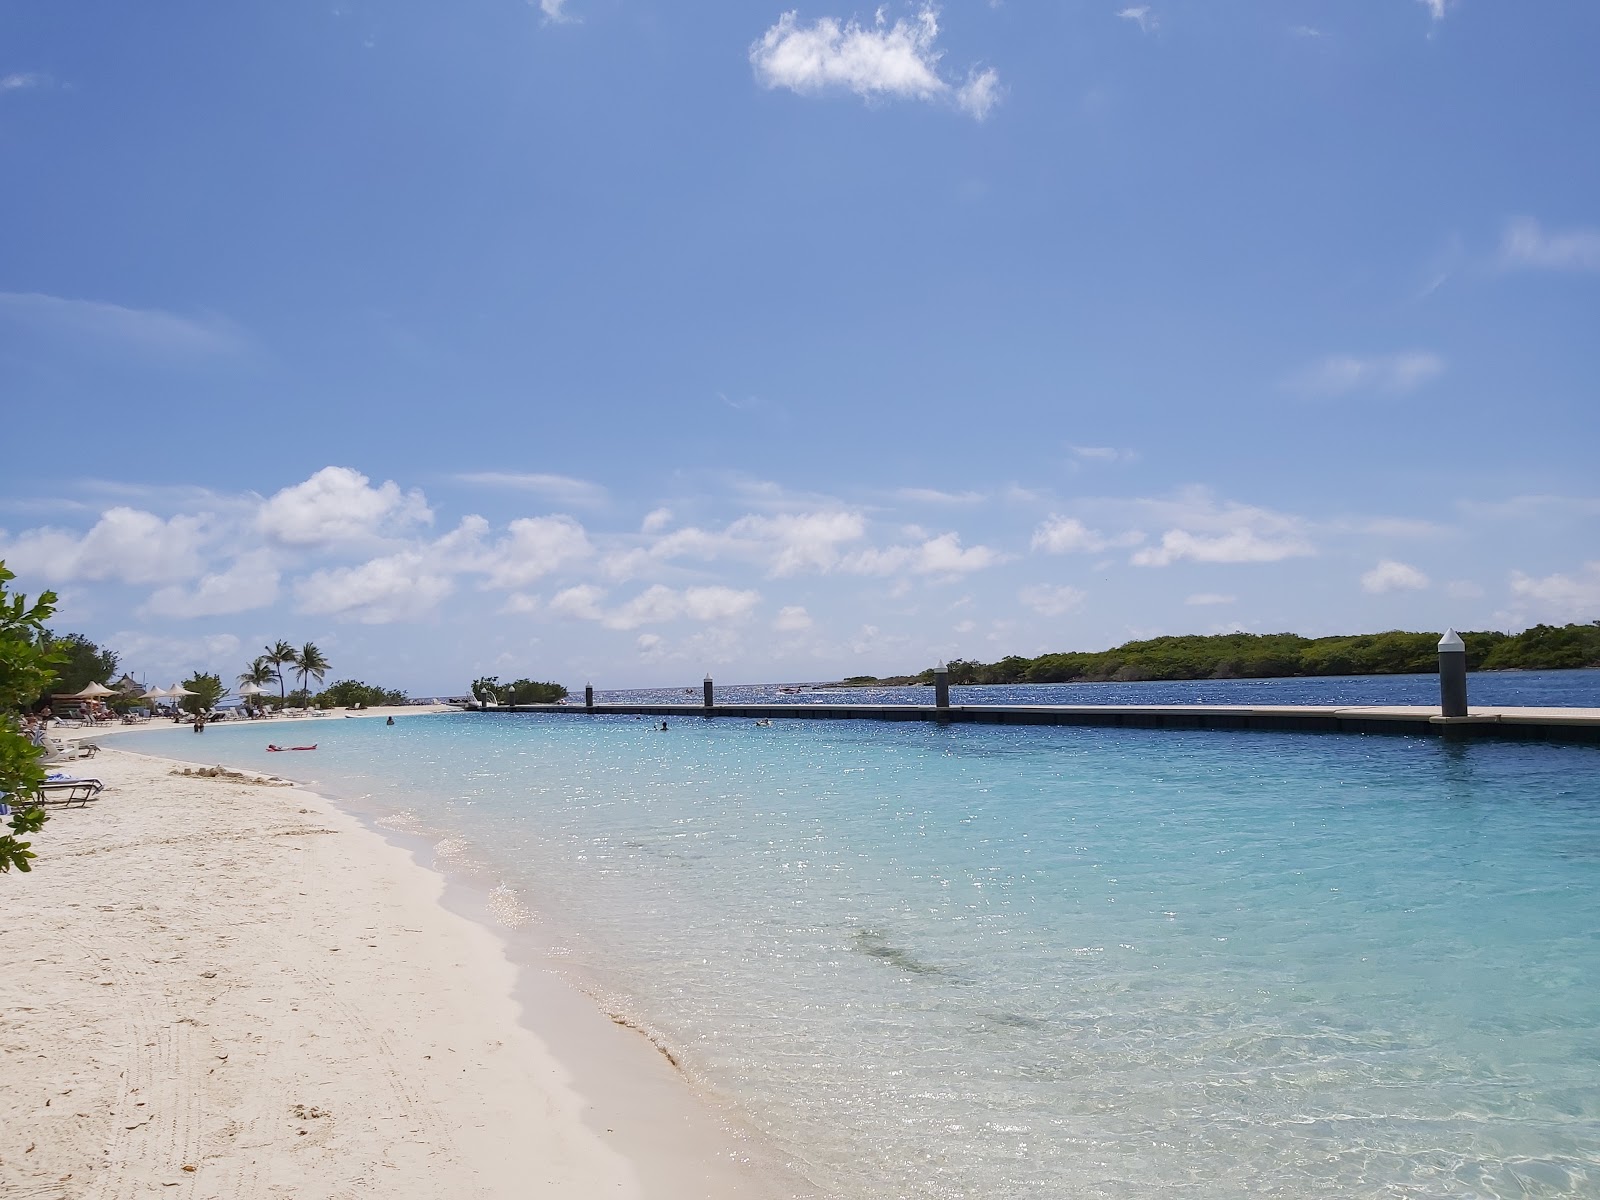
(1203, 598)
(1068, 535)
(21, 80)
(792, 618)
(396, 587)
(1393, 374)
(656, 605)
(250, 582)
(656, 520)
(520, 604)
(1564, 598)
(1141, 16)
(919, 495)
(532, 548)
(162, 660)
(561, 489)
(1436, 8)
(1103, 454)
(556, 11)
(980, 94)
(1238, 546)
(898, 60)
(1052, 601)
(1526, 244)
(786, 544)
(338, 504)
(1392, 576)
(581, 603)
(942, 555)
(149, 331)
(126, 544)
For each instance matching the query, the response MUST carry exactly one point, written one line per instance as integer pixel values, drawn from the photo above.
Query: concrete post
(1452, 675)
(941, 686)
(588, 696)
(710, 696)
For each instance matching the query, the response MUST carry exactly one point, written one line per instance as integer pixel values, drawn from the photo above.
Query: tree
(528, 691)
(310, 663)
(81, 663)
(280, 654)
(208, 691)
(27, 664)
(486, 690)
(259, 673)
(348, 693)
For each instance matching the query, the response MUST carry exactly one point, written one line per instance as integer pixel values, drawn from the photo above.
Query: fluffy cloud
(250, 582)
(126, 545)
(1526, 244)
(534, 547)
(656, 605)
(1052, 601)
(1392, 374)
(786, 544)
(1239, 546)
(1436, 8)
(19, 80)
(656, 520)
(173, 658)
(1565, 598)
(339, 504)
(942, 555)
(1068, 535)
(397, 587)
(792, 618)
(1391, 576)
(898, 60)
(556, 10)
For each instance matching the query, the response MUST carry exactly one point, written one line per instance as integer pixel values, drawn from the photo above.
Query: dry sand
(216, 988)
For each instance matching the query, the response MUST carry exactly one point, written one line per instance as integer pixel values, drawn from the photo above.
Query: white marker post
(709, 693)
(1452, 675)
(588, 696)
(941, 686)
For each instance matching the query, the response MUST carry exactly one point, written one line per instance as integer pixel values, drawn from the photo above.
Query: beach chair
(60, 790)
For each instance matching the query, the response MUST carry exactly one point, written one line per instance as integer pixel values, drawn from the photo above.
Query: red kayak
(281, 749)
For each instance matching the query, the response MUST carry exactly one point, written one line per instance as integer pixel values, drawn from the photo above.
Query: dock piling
(941, 686)
(710, 695)
(1452, 675)
(588, 696)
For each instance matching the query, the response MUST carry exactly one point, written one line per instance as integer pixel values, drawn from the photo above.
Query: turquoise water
(981, 962)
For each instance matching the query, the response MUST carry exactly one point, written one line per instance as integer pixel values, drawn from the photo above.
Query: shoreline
(514, 1035)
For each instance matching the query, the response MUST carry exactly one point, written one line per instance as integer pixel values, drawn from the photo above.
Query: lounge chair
(66, 791)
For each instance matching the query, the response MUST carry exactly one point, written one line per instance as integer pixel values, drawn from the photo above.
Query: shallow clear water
(1035, 962)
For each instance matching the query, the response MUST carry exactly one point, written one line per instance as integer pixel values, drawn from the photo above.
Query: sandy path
(213, 989)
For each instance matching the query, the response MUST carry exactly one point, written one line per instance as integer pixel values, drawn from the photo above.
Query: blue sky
(624, 341)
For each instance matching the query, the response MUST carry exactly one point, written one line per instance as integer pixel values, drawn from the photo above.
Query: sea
(939, 961)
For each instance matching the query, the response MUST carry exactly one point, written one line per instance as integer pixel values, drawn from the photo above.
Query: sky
(624, 342)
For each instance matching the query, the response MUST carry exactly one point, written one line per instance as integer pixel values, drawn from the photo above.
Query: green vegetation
(349, 693)
(489, 690)
(278, 656)
(310, 663)
(28, 661)
(1278, 655)
(79, 663)
(208, 692)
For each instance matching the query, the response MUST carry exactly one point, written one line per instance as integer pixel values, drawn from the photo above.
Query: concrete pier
(1523, 724)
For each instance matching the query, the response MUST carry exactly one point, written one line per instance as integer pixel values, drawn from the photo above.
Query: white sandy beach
(213, 988)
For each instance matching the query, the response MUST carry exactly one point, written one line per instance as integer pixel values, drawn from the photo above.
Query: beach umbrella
(251, 689)
(93, 692)
(156, 694)
(178, 689)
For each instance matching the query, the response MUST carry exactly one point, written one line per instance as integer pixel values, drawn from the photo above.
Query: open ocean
(986, 961)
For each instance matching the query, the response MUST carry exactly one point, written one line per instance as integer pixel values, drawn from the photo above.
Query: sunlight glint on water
(981, 961)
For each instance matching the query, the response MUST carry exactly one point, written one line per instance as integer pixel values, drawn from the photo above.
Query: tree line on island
(489, 690)
(1275, 656)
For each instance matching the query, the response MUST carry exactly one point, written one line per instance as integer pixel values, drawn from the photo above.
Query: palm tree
(259, 673)
(310, 663)
(281, 655)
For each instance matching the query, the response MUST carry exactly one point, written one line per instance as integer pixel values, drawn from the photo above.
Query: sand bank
(214, 988)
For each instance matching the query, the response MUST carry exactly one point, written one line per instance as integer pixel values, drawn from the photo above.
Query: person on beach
(390, 721)
(663, 727)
